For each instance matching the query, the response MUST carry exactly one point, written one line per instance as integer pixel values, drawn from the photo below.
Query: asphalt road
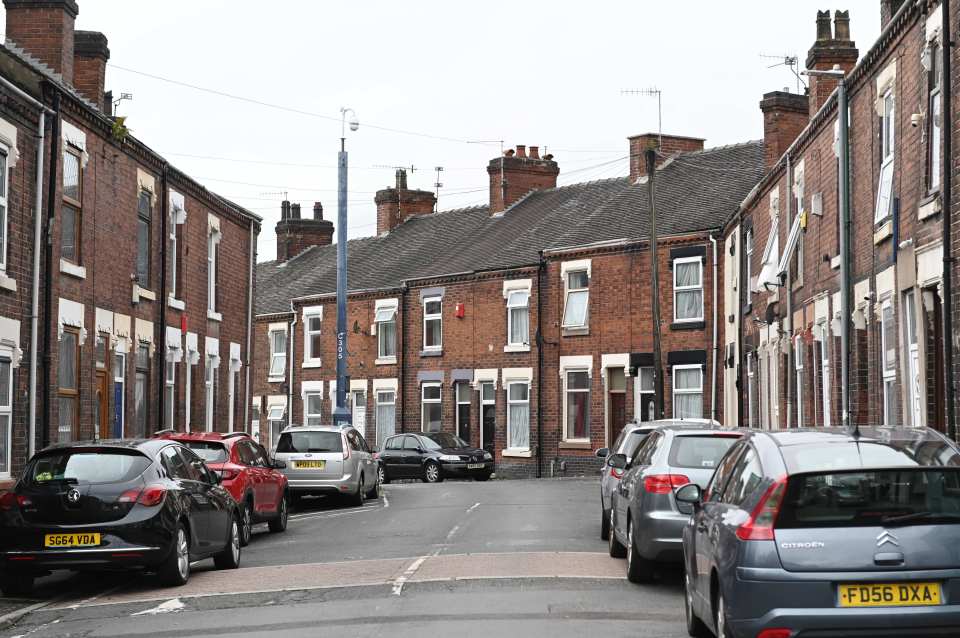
(514, 558)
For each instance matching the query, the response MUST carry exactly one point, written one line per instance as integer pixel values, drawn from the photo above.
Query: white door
(825, 367)
(913, 359)
(359, 409)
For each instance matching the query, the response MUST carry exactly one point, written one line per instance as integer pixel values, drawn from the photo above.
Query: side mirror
(617, 461)
(690, 493)
(278, 465)
(420, 450)
(602, 452)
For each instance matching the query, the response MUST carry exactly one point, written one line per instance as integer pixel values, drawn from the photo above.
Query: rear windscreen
(310, 442)
(702, 452)
(884, 497)
(73, 466)
(209, 452)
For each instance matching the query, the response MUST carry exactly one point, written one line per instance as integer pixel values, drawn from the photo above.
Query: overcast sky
(535, 73)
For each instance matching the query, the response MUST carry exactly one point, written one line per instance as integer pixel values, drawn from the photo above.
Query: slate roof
(695, 192)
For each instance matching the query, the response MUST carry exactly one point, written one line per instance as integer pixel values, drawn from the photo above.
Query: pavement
(519, 558)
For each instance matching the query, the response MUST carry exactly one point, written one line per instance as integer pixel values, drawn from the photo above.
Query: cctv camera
(916, 119)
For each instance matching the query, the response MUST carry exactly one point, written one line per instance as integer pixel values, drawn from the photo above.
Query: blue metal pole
(341, 413)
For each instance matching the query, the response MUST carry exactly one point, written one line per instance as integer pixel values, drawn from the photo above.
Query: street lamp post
(341, 413)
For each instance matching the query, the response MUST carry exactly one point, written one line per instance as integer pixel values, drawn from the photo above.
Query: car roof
(147, 446)
(227, 438)
(317, 428)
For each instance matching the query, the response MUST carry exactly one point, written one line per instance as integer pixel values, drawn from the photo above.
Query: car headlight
(487, 456)
(449, 458)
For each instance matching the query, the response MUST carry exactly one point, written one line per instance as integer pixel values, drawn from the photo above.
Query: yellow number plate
(71, 540)
(889, 594)
(310, 465)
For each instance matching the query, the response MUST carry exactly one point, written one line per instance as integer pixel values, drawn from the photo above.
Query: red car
(246, 472)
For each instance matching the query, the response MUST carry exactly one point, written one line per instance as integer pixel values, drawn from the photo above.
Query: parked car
(627, 443)
(432, 457)
(115, 504)
(829, 532)
(247, 472)
(646, 521)
(328, 460)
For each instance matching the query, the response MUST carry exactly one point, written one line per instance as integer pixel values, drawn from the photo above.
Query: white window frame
(751, 381)
(424, 401)
(275, 357)
(798, 354)
(566, 392)
(566, 299)
(514, 305)
(458, 402)
(677, 289)
(687, 391)
(170, 393)
(884, 206)
(436, 316)
(512, 402)
(121, 379)
(748, 252)
(888, 372)
(311, 359)
(212, 249)
(208, 397)
(934, 102)
(4, 197)
(7, 411)
(911, 349)
(383, 315)
(379, 401)
(640, 393)
(307, 415)
(825, 372)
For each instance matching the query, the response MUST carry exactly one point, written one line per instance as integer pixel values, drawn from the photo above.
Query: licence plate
(474, 466)
(90, 539)
(889, 594)
(310, 465)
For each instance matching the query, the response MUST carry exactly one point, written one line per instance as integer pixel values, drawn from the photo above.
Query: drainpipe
(401, 352)
(37, 231)
(713, 363)
(162, 329)
(246, 382)
(946, 205)
(48, 263)
(541, 271)
(788, 290)
(743, 290)
(291, 353)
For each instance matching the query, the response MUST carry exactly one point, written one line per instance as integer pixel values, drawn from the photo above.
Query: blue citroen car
(827, 532)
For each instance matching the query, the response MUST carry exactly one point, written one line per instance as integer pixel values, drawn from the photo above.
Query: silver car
(629, 439)
(646, 521)
(827, 532)
(328, 460)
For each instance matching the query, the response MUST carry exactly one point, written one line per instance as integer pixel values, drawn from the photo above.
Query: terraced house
(782, 284)
(523, 325)
(117, 254)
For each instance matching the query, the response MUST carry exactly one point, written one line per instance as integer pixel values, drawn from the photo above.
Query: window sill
(176, 304)
(516, 348)
(575, 445)
(835, 263)
(69, 268)
(313, 363)
(213, 315)
(518, 454)
(275, 379)
(883, 232)
(386, 361)
(929, 206)
(7, 283)
(688, 325)
(432, 353)
(575, 332)
(142, 293)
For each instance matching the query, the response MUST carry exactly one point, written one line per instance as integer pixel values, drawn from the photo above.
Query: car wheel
(16, 583)
(279, 524)
(616, 549)
(229, 557)
(720, 618)
(604, 524)
(431, 473)
(639, 569)
(357, 497)
(695, 627)
(382, 473)
(374, 489)
(175, 570)
(246, 522)
(482, 477)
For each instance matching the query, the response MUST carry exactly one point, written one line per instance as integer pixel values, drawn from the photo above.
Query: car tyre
(431, 473)
(16, 583)
(695, 627)
(604, 524)
(639, 569)
(356, 498)
(374, 489)
(382, 473)
(721, 626)
(615, 547)
(482, 477)
(175, 569)
(229, 557)
(279, 524)
(246, 522)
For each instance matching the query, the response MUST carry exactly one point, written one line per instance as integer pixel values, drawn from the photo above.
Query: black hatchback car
(115, 505)
(431, 457)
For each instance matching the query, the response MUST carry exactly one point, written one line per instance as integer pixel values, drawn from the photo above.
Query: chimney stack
(833, 48)
(785, 115)
(396, 205)
(44, 29)
(516, 174)
(90, 55)
(671, 146)
(295, 235)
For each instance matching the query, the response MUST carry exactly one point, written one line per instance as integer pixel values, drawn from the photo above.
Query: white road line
(386, 502)
(407, 574)
(332, 513)
(473, 507)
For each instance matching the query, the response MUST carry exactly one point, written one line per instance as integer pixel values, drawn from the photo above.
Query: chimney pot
(294, 211)
(521, 150)
(841, 25)
(534, 152)
(830, 51)
(317, 210)
(284, 210)
(509, 152)
(823, 26)
(401, 179)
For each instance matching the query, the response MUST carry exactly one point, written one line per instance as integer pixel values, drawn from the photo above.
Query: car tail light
(130, 496)
(759, 527)
(149, 496)
(228, 474)
(664, 483)
(346, 449)
(10, 500)
(775, 633)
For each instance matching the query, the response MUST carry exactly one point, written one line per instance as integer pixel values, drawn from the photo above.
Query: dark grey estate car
(827, 532)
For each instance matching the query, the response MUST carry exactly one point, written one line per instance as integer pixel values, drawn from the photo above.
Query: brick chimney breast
(396, 205)
(44, 29)
(833, 48)
(90, 55)
(295, 235)
(513, 176)
(785, 115)
(672, 145)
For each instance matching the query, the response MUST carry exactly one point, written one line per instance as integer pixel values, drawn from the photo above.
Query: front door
(101, 405)
(488, 416)
(618, 413)
(359, 398)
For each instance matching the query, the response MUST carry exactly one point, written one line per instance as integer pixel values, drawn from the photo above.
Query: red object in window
(461, 310)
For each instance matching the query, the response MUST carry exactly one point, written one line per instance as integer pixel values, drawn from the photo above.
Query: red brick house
(524, 325)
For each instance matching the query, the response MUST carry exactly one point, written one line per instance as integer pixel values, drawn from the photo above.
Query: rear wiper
(918, 516)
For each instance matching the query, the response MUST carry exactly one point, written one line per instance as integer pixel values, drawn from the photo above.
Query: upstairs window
(386, 322)
(432, 323)
(688, 289)
(70, 212)
(748, 268)
(887, 132)
(518, 318)
(934, 118)
(3, 214)
(312, 337)
(212, 269)
(278, 352)
(577, 299)
(144, 206)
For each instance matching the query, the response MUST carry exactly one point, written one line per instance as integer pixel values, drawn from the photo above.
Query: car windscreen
(632, 442)
(310, 442)
(869, 498)
(208, 451)
(700, 451)
(86, 466)
(437, 440)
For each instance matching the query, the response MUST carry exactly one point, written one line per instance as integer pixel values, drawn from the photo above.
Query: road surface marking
(166, 607)
(408, 572)
(473, 507)
(386, 501)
